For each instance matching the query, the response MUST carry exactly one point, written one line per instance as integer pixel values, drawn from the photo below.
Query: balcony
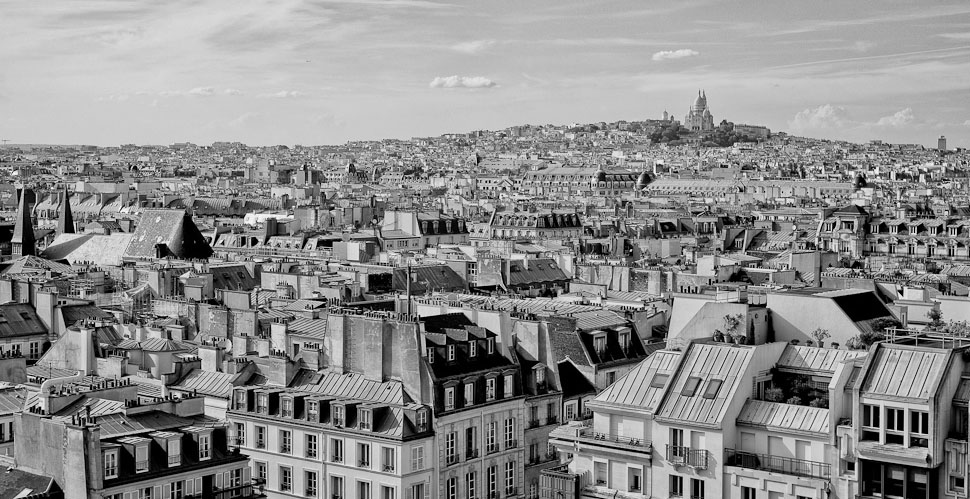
(535, 423)
(491, 448)
(511, 444)
(471, 453)
(685, 456)
(388, 468)
(237, 492)
(237, 441)
(777, 464)
(451, 459)
(552, 420)
(363, 463)
(588, 435)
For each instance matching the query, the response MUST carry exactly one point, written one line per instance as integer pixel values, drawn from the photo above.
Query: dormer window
(469, 394)
(365, 419)
(111, 464)
(489, 389)
(599, 343)
(141, 458)
(451, 353)
(338, 415)
(491, 346)
(421, 420)
(540, 376)
(449, 398)
(205, 447)
(509, 386)
(262, 403)
(472, 348)
(240, 399)
(313, 411)
(430, 355)
(287, 408)
(625, 340)
(174, 452)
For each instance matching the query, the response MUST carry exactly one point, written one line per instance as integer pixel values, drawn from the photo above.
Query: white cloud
(664, 55)
(898, 119)
(456, 81)
(195, 92)
(966, 123)
(232, 91)
(283, 94)
(825, 116)
(243, 119)
(202, 91)
(472, 47)
(114, 98)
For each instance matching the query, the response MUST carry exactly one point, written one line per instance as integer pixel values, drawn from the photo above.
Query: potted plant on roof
(732, 326)
(820, 335)
(718, 335)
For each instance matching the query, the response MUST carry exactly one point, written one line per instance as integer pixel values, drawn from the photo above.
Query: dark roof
(432, 277)
(438, 323)
(538, 270)
(74, 313)
(172, 231)
(14, 482)
(862, 306)
(572, 381)
(851, 210)
(20, 319)
(232, 277)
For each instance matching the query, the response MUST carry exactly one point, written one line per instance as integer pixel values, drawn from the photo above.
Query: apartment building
(715, 420)
(350, 437)
(480, 410)
(113, 445)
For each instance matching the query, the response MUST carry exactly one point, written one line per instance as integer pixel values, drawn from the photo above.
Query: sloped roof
(784, 417)
(20, 319)
(905, 372)
(702, 364)
(213, 384)
(172, 228)
(350, 385)
(814, 359)
(635, 390)
(104, 250)
(31, 264)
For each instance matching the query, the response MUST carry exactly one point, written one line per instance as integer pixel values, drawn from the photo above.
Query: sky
(266, 72)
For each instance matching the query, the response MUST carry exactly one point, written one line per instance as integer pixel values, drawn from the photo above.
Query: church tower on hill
(699, 118)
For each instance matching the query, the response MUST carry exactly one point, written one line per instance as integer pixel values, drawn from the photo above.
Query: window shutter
(247, 474)
(219, 480)
(427, 490)
(226, 480)
(409, 493)
(158, 492)
(189, 486)
(198, 485)
(168, 491)
(127, 495)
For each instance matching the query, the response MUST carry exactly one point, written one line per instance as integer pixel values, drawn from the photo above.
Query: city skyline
(327, 72)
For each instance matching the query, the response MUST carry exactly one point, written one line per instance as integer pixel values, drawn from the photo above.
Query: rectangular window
(510, 477)
(417, 458)
(599, 343)
(313, 411)
(310, 480)
(895, 425)
(919, 428)
(418, 491)
(491, 480)
(422, 420)
(449, 398)
(178, 491)
(363, 455)
(690, 387)
(141, 459)
(287, 410)
(509, 385)
(260, 471)
(388, 459)
(240, 436)
(490, 389)
(471, 490)
(336, 450)
(336, 487)
(338, 415)
(451, 439)
(387, 492)
(286, 441)
(713, 386)
(490, 344)
(451, 353)
(429, 353)
(469, 394)
(696, 488)
(748, 493)
(490, 445)
(260, 437)
(870, 422)
(363, 490)
(262, 403)
(472, 348)
(174, 452)
(311, 445)
(510, 433)
(110, 464)
(286, 478)
(204, 447)
(451, 488)
(365, 419)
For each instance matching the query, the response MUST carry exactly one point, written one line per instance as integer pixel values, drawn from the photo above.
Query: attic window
(659, 380)
(365, 419)
(713, 386)
(430, 355)
(491, 346)
(472, 348)
(451, 353)
(25, 316)
(690, 388)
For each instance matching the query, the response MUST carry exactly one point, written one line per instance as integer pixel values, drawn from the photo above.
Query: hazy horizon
(321, 72)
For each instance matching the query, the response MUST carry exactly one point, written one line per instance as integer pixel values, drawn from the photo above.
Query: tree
(820, 335)
(936, 319)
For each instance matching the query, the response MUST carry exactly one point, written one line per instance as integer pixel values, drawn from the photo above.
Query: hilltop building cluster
(560, 312)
